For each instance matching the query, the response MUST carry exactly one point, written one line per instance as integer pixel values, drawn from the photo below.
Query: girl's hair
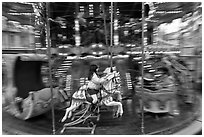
(92, 69)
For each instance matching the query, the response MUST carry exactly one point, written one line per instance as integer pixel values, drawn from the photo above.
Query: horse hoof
(115, 115)
(63, 120)
(70, 115)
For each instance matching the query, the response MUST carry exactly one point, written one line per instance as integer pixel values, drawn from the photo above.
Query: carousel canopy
(20, 12)
(166, 12)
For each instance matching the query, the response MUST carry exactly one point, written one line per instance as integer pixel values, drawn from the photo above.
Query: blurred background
(80, 35)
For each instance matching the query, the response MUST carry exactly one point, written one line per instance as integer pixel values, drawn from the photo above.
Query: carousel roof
(168, 11)
(20, 12)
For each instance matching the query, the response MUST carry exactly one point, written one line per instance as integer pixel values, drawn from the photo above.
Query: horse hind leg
(119, 111)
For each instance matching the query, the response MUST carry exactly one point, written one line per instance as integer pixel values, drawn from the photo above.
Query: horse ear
(111, 70)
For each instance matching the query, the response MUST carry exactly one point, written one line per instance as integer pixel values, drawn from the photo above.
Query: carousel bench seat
(158, 101)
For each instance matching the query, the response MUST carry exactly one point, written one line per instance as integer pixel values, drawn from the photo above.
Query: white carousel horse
(109, 88)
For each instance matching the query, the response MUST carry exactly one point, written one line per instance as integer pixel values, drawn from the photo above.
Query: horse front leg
(69, 110)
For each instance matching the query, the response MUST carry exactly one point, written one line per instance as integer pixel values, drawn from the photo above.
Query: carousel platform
(189, 122)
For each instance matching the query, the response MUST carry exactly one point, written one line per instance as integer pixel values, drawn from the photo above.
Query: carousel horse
(109, 88)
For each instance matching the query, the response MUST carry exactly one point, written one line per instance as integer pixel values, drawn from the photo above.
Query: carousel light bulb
(76, 28)
(128, 52)
(126, 32)
(94, 45)
(100, 45)
(76, 21)
(115, 27)
(77, 40)
(115, 24)
(76, 25)
(116, 43)
(116, 39)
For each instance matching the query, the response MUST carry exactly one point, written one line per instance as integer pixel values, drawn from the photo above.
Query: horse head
(114, 80)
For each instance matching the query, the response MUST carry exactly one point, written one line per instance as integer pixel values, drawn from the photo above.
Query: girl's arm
(97, 80)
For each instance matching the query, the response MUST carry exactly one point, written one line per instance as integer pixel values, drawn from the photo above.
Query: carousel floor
(129, 124)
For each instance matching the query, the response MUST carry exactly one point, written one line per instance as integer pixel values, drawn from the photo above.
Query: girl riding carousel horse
(88, 93)
(94, 84)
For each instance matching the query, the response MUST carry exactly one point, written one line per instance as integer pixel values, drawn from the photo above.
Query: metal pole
(104, 21)
(50, 71)
(111, 38)
(142, 82)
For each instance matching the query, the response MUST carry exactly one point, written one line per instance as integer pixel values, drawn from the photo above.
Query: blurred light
(64, 37)
(42, 48)
(136, 52)
(128, 45)
(63, 54)
(77, 40)
(115, 24)
(121, 56)
(100, 45)
(126, 32)
(76, 25)
(157, 75)
(29, 14)
(137, 58)
(76, 22)
(93, 46)
(140, 62)
(63, 46)
(168, 12)
(71, 57)
(68, 61)
(116, 37)
(151, 70)
(128, 52)
(147, 66)
(59, 35)
(100, 53)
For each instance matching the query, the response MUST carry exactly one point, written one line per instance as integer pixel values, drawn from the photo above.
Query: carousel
(33, 86)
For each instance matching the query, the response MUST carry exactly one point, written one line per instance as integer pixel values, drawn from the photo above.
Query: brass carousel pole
(50, 71)
(142, 82)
